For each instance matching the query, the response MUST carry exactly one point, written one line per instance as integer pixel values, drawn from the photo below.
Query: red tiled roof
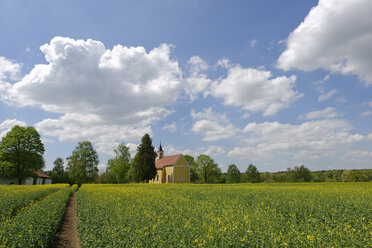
(167, 161)
(42, 174)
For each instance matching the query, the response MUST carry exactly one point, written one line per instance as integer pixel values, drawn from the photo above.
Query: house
(171, 169)
(40, 178)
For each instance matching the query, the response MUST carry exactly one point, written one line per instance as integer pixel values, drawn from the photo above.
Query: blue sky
(273, 83)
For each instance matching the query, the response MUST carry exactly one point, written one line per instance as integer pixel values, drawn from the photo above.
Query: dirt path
(67, 236)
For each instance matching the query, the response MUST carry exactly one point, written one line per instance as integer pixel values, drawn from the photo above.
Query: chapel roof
(41, 174)
(167, 161)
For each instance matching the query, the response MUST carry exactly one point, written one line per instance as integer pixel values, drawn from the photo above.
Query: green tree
(193, 168)
(289, 175)
(119, 166)
(21, 152)
(58, 173)
(82, 164)
(143, 165)
(355, 176)
(347, 176)
(337, 174)
(207, 169)
(302, 174)
(252, 174)
(318, 176)
(233, 174)
(135, 172)
(329, 174)
(266, 177)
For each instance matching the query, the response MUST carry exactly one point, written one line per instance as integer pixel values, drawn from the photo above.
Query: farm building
(171, 169)
(40, 177)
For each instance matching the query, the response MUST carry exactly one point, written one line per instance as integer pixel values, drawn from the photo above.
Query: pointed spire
(160, 152)
(160, 148)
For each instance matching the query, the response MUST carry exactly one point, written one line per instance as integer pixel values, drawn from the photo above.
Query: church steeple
(160, 152)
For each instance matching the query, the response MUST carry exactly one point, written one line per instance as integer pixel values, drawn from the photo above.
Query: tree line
(21, 153)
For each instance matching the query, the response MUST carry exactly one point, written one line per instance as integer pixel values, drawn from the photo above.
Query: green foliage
(118, 167)
(289, 175)
(302, 174)
(239, 215)
(266, 177)
(21, 151)
(356, 175)
(82, 165)
(233, 174)
(252, 174)
(7, 169)
(319, 176)
(58, 174)
(37, 224)
(143, 165)
(208, 171)
(135, 171)
(193, 168)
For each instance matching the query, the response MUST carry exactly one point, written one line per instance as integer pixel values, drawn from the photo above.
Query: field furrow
(37, 224)
(14, 198)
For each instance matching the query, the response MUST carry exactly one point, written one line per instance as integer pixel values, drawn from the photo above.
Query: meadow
(231, 215)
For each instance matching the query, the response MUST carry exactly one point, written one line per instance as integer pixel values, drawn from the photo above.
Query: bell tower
(160, 152)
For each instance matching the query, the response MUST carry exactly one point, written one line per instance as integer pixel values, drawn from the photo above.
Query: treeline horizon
(21, 152)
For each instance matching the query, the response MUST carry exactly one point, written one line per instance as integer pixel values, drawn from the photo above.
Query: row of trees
(21, 153)
(82, 165)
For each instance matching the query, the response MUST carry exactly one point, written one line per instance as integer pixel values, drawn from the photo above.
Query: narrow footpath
(67, 236)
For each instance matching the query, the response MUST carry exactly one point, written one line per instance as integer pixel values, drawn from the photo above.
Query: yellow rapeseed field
(231, 215)
(30, 215)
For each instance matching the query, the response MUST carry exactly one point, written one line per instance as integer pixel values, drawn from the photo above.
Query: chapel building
(171, 169)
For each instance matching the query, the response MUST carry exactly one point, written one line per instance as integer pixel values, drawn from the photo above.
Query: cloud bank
(335, 36)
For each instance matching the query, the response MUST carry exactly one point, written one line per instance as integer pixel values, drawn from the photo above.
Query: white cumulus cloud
(326, 113)
(213, 126)
(365, 114)
(255, 90)
(124, 84)
(171, 150)
(197, 82)
(309, 140)
(327, 96)
(105, 135)
(214, 150)
(7, 125)
(172, 127)
(9, 69)
(104, 95)
(336, 35)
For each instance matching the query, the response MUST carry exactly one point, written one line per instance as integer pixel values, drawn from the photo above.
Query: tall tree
(82, 164)
(21, 152)
(143, 166)
(58, 173)
(302, 174)
(119, 166)
(193, 168)
(252, 174)
(207, 169)
(233, 174)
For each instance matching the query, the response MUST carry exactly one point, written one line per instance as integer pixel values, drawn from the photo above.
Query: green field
(240, 215)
